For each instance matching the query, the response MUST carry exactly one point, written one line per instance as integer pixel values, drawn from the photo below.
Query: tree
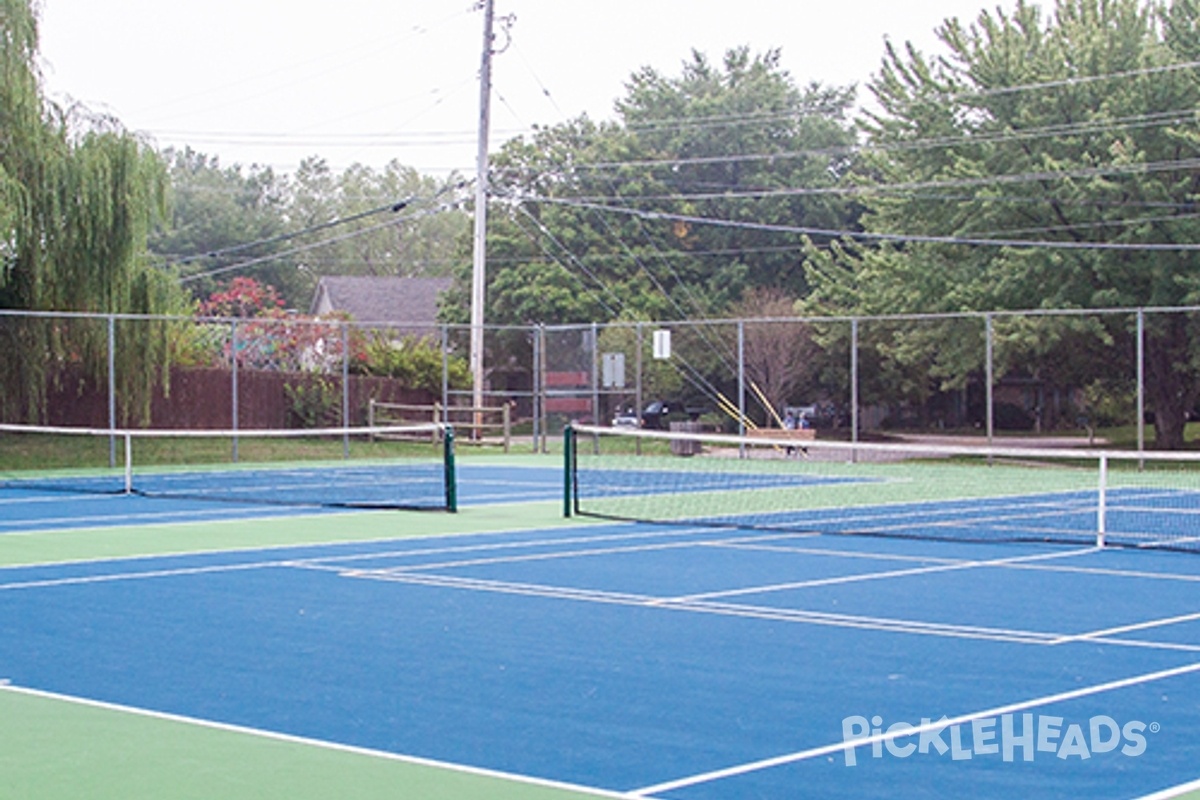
(396, 221)
(598, 222)
(779, 353)
(1074, 131)
(738, 143)
(217, 209)
(288, 231)
(78, 195)
(741, 143)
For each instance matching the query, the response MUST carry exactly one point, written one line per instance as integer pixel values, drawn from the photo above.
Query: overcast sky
(274, 81)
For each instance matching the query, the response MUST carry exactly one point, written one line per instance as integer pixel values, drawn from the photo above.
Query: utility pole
(479, 268)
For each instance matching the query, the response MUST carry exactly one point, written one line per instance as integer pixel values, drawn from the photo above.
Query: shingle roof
(398, 301)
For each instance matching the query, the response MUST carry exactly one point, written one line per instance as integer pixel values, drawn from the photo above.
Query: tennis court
(161, 647)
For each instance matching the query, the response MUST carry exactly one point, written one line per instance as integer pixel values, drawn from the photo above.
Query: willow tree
(78, 195)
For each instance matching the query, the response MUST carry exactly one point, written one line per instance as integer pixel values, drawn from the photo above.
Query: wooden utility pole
(479, 268)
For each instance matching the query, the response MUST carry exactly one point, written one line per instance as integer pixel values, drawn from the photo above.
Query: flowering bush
(270, 338)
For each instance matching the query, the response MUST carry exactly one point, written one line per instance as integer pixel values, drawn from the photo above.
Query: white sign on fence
(662, 344)
(613, 370)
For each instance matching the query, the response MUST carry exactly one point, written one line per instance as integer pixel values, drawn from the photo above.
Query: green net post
(451, 479)
(568, 469)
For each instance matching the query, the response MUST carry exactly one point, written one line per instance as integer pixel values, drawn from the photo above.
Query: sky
(271, 82)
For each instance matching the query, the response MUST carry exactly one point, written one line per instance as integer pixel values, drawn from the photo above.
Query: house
(399, 303)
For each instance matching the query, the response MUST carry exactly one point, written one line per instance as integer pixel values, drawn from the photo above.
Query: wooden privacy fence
(203, 398)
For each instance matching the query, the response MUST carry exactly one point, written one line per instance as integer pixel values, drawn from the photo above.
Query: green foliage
(256, 214)
(314, 403)
(78, 196)
(723, 141)
(1109, 402)
(415, 361)
(1069, 130)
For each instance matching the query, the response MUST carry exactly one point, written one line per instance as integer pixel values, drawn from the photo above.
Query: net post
(1102, 502)
(128, 461)
(568, 469)
(450, 470)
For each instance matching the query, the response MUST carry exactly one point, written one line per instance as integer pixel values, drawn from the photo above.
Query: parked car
(657, 415)
(626, 419)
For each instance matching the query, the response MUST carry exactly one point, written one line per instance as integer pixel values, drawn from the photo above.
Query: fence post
(445, 365)
(541, 382)
(990, 379)
(1141, 386)
(854, 387)
(112, 391)
(595, 374)
(638, 395)
(345, 329)
(741, 382)
(233, 372)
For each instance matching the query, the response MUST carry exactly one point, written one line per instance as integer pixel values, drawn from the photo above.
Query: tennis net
(404, 467)
(959, 492)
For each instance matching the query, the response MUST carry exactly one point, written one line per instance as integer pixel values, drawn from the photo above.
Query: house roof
(397, 301)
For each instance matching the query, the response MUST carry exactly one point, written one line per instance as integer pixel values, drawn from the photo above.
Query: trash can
(686, 447)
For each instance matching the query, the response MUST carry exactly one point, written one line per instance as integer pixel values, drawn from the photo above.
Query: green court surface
(55, 749)
(85, 544)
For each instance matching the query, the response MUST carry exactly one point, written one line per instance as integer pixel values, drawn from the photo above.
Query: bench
(797, 435)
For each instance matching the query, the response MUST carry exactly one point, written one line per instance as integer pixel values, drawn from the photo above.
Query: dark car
(660, 414)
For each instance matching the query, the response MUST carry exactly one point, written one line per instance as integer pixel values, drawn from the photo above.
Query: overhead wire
(312, 246)
(894, 238)
(394, 208)
(689, 372)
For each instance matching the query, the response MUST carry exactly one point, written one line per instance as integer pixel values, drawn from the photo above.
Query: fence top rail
(947, 315)
(438, 327)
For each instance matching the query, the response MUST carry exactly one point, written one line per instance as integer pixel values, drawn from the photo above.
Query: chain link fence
(980, 374)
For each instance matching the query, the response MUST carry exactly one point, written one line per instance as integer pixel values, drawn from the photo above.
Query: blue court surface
(642, 661)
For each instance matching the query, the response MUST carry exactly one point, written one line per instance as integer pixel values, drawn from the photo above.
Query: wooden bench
(797, 435)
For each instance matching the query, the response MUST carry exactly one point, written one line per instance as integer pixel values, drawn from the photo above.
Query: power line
(1144, 168)
(313, 246)
(392, 208)
(894, 238)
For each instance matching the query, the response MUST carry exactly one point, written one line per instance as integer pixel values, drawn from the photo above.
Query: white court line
(719, 609)
(1174, 792)
(694, 605)
(1148, 644)
(1111, 573)
(324, 745)
(870, 576)
(829, 749)
(84, 580)
(674, 533)
(748, 543)
(1137, 626)
(60, 498)
(325, 564)
(754, 543)
(517, 559)
(91, 521)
